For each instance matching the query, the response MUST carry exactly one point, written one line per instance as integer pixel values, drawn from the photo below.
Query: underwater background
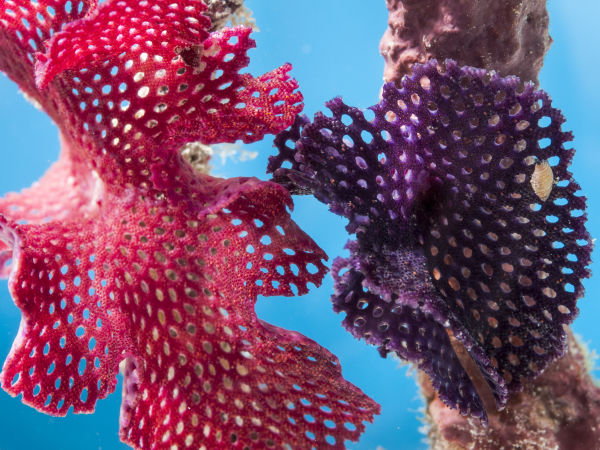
(333, 47)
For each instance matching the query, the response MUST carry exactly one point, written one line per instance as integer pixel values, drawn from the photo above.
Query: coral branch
(555, 410)
(510, 36)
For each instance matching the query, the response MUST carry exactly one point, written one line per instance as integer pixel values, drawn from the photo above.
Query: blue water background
(333, 46)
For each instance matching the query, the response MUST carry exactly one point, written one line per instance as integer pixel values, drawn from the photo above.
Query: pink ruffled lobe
(202, 356)
(117, 26)
(173, 290)
(279, 258)
(70, 338)
(271, 101)
(272, 387)
(67, 190)
(125, 106)
(61, 193)
(24, 28)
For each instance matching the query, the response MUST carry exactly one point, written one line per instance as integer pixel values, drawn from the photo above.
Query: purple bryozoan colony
(462, 236)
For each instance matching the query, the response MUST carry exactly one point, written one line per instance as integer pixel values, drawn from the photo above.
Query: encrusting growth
(123, 252)
(558, 410)
(451, 237)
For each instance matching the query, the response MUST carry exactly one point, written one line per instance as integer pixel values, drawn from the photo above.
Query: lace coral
(468, 224)
(122, 253)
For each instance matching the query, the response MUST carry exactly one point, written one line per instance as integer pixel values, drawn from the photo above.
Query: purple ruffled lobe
(386, 292)
(344, 160)
(469, 170)
(414, 333)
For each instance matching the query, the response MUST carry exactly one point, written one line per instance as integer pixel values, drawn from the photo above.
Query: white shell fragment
(542, 180)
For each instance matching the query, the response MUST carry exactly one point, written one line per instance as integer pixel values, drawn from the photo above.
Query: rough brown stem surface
(509, 36)
(558, 410)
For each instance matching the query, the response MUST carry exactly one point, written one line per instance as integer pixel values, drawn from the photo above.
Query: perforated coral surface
(123, 253)
(467, 220)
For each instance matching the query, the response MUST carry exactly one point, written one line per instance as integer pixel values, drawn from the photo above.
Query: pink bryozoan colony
(122, 253)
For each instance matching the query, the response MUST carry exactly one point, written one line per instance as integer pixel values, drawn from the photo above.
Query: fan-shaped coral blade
(173, 291)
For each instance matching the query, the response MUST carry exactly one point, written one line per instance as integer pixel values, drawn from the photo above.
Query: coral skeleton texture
(122, 253)
(453, 241)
